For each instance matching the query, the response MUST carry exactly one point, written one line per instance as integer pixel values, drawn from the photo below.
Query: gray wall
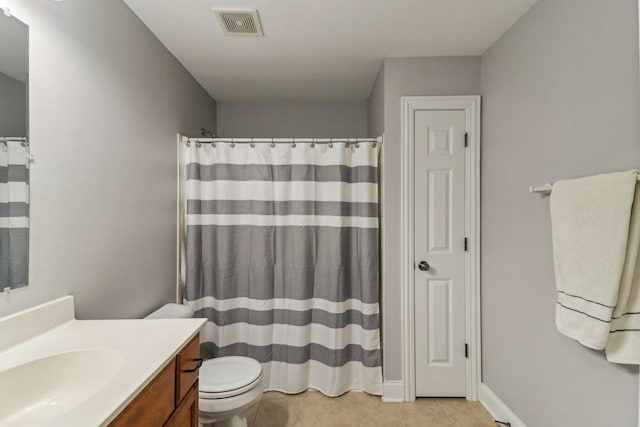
(560, 100)
(409, 76)
(13, 106)
(105, 109)
(292, 119)
(375, 107)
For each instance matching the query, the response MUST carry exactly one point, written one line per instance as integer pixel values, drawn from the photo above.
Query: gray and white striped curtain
(14, 214)
(282, 259)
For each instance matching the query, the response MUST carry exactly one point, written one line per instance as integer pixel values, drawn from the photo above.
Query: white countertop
(146, 346)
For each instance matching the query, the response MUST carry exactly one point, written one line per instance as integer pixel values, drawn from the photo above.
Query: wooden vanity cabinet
(171, 398)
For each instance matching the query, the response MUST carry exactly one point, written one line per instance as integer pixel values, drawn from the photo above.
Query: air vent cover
(240, 22)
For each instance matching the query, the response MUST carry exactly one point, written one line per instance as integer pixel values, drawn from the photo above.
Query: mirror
(14, 152)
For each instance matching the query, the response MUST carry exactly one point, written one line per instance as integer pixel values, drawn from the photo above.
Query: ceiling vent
(240, 22)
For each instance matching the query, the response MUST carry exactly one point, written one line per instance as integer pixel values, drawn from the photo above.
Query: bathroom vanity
(59, 371)
(171, 398)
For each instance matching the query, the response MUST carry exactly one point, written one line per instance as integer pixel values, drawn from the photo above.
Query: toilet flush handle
(198, 365)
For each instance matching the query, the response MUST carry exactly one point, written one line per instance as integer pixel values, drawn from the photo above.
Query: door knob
(424, 266)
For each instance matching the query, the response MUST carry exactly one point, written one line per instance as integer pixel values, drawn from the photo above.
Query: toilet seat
(228, 376)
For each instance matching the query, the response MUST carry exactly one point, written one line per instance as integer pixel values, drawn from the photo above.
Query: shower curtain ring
(293, 144)
(233, 144)
(273, 144)
(253, 145)
(313, 143)
(188, 143)
(331, 145)
(198, 144)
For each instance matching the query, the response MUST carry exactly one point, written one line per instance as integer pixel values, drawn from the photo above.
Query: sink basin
(41, 390)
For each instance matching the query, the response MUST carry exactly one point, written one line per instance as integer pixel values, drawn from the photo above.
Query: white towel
(623, 345)
(594, 268)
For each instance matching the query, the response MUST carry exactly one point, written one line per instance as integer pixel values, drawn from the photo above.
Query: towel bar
(546, 188)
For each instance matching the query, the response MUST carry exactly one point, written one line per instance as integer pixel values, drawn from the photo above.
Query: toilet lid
(228, 373)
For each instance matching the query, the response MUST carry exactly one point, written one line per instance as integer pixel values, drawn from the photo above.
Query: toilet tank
(171, 311)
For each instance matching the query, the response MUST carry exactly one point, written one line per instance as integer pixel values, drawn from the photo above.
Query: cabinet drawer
(188, 364)
(154, 404)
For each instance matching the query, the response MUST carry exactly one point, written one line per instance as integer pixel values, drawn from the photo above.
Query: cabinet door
(187, 413)
(154, 404)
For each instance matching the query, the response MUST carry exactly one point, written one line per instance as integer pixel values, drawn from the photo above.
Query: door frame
(471, 106)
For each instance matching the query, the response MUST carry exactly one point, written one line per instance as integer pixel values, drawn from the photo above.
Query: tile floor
(312, 409)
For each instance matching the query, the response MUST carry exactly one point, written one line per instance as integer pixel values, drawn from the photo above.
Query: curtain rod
(547, 188)
(284, 140)
(12, 138)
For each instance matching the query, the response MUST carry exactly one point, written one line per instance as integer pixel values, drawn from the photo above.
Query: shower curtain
(14, 214)
(282, 259)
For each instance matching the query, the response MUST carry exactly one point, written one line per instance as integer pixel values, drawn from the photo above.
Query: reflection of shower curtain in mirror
(14, 214)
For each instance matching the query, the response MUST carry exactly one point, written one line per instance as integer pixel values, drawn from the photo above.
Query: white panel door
(439, 244)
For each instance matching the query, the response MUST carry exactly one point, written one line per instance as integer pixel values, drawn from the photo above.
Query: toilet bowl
(230, 391)
(230, 387)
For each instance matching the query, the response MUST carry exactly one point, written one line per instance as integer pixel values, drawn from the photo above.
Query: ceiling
(14, 54)
(319, 50)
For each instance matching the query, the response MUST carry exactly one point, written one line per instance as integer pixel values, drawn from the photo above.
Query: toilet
(230, 387)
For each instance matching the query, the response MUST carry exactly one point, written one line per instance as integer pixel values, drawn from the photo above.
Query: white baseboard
(393, 392)
(497, 408)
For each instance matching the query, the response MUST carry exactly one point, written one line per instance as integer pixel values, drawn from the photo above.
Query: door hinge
(466, 350)
(466, 244)
(466, 140)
